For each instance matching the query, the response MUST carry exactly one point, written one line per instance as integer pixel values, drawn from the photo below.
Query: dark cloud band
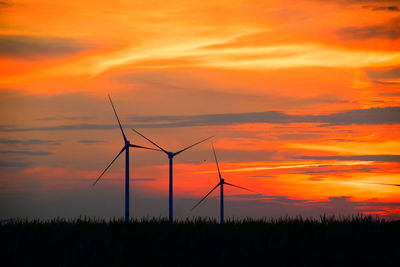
(28, 142)
(389, 30)
(26, 152)
(34, 47)
(388, 115)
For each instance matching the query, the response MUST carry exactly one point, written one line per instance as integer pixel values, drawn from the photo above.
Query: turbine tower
(221, 184)
(125, 148)
(171, 156)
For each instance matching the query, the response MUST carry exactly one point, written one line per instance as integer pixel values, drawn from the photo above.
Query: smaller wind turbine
(171, 156)
(125, 148)
(221, 184)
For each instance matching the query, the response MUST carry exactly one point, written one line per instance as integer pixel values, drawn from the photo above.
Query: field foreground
(355, 241)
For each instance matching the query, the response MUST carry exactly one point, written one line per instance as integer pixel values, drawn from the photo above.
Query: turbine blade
(216, 161)
(119, 122)
(180, 151)
(198, 203)
(144, 147)
(162, 149)
(242, 188)
(109, 165)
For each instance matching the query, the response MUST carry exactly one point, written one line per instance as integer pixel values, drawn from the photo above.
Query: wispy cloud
(67, 118)
(387, 115)
(144, 179)
(89, 141)
(261, 176)
(297, 136)
(390, 30)
(269, 198)
(329, 169)
(391, 76)
(345, 202)
(62, 127)
(298, 166)
(379, 158)
(34, 47)
(14, 164)
(382, 8)
(26, 152)
(28, 142)
(5, 4)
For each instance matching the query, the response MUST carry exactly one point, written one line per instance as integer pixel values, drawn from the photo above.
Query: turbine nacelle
(125, 149)
(170, 156)
(169, 153)
(221, 183)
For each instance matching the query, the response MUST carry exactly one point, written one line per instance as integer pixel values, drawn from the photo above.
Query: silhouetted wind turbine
(171, 156)
(125, 148)
(221, 184)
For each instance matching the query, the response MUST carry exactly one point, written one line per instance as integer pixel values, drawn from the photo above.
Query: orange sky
(303, 98)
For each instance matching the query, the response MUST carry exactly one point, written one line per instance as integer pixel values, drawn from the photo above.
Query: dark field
(356, 241)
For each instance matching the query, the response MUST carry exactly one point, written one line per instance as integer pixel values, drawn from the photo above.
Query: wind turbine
(221, 184)
(171, 156)
(125, 148)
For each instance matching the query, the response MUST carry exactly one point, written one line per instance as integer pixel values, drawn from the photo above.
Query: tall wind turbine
(171, 156)
(221, 184)
(125, 148)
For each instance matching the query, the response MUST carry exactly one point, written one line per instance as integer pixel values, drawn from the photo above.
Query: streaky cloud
(89, 141)
(347, 201)
(28, 142)
(35, 47)
(14, 164)
(279, 199)
(329, 170)
(67, 118)
(387, 115)
(386, 83)
(390, 30)
(26, 152)
(61, 128)
(5, 3)
(261, 176)
(378, 158)
(143, 179)
(384, 74)
(391, 8)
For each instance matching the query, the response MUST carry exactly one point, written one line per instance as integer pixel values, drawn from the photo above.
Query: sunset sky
(303, 98)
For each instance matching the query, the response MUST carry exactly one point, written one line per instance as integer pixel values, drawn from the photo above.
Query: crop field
(327, 241)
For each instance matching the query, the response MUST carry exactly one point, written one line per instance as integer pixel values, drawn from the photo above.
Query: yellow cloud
(295, 166)
(352, 148)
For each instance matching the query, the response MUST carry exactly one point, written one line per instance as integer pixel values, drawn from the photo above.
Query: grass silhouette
(297, 241)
